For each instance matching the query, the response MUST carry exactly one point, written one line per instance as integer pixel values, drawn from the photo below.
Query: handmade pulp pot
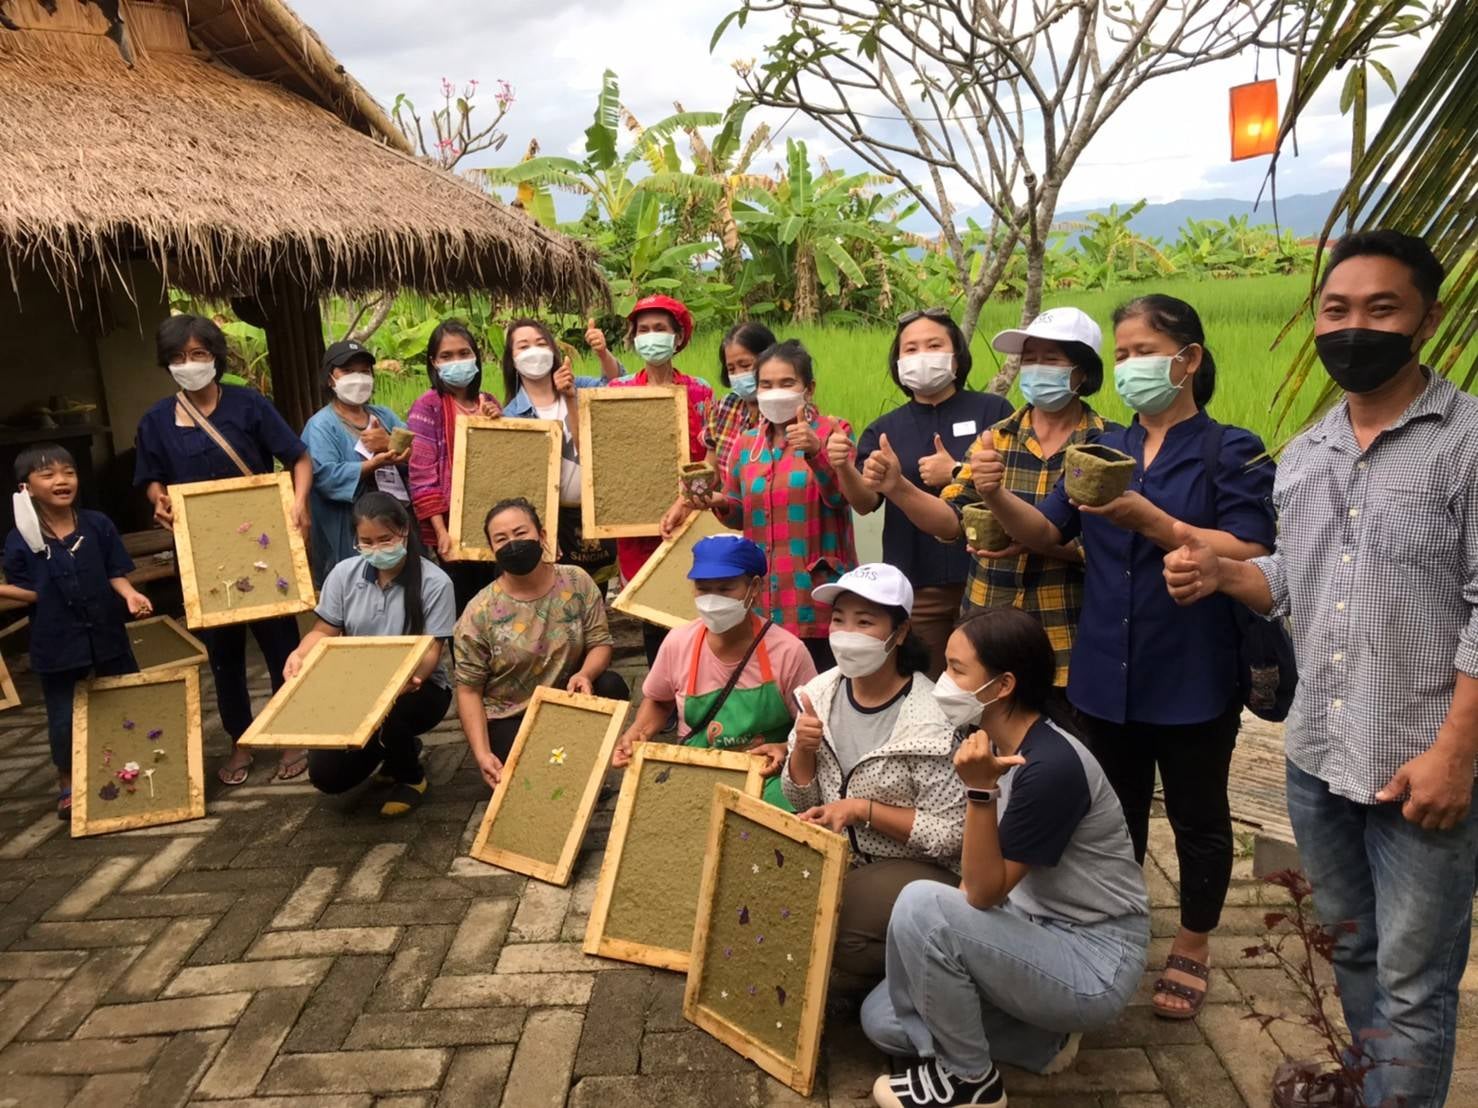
(1095, 474)
(983, 531)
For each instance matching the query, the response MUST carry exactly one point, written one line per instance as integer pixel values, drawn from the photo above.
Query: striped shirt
(1049, 589)
(1377, 564)
(793, 507)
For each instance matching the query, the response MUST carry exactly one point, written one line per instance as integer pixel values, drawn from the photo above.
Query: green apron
(747, 717)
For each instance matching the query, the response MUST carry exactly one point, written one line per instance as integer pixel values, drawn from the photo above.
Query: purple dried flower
(281, 583)
(263, 541)
(780, 995)
(154, 734)
(243, 584)
(744, 836)
(784, 913)
(744, 915)
(779, 859)
(128, 725)
(728, 952)
(759, 939)
(109, 791)
(753, 989)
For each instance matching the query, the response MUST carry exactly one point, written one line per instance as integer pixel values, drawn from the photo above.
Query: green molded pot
(1095, 475)
(983, 531)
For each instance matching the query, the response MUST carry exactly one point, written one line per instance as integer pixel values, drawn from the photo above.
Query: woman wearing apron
(731, 676)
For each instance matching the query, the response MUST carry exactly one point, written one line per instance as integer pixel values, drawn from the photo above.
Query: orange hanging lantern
(1254, 119)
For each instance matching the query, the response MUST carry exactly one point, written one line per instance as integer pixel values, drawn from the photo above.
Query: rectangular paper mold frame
(472, 427)
(798, 1072)
(180, 497)
(625, 950)
(413, 647)
(9, 698)
(589, 398)
(196, 649)
(634, 602)
(558, 873)
(84, 824)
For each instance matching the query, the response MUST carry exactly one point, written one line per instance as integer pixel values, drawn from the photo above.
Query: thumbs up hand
(881, 472)
(838, 448)
(807, 725)
(1192, 569)
(937, 468)
(595, 338)
(987, 471)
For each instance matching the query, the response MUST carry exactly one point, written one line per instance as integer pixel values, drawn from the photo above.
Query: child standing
(76, 581)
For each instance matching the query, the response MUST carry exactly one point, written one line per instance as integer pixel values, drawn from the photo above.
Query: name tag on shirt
(387, 478)
(960, 430)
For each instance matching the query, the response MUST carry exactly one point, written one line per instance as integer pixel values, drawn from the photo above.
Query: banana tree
(605, 176)
(1416, 174)
(810, 227)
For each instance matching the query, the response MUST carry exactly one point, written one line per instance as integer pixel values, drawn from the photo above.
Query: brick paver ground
(296, 951)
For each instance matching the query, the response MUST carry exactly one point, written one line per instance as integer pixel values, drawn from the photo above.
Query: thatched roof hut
(234, 157)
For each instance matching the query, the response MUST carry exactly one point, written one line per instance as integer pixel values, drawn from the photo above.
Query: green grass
(1242, 319)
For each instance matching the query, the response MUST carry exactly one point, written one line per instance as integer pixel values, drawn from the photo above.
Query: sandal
(286, 771)
(64, 805)
(237, 776)
(1196, 998)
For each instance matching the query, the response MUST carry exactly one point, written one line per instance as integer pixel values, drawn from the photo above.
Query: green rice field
(1242, 317)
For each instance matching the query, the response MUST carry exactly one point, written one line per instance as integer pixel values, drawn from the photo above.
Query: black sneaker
(929, 1083)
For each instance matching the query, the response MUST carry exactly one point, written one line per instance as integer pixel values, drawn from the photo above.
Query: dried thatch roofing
(225, 180)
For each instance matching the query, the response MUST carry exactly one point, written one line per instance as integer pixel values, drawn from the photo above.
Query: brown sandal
(1196, 998)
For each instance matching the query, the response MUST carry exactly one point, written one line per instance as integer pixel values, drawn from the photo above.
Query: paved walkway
(293, 951)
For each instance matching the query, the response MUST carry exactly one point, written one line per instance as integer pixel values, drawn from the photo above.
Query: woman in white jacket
(870, 758)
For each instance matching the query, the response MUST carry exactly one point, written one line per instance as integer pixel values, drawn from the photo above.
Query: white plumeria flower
(754, 868)
(805, 873)
(724, 994)
(790, 957)
(557, 756)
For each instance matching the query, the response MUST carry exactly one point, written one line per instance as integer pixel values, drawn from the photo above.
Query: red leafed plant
(1298, 943)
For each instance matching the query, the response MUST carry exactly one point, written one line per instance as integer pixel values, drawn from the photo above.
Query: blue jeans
(1409, 894)
(975, 987)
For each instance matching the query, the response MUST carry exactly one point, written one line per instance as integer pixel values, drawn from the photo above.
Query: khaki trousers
(867, 904)
(936, 610)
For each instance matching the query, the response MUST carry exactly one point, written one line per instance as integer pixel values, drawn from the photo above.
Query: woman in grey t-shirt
(1046, 936)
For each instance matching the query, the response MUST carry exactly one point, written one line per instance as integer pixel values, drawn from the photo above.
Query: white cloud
(1168, 141)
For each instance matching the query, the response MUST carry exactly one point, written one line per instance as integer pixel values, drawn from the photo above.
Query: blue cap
(726, 556)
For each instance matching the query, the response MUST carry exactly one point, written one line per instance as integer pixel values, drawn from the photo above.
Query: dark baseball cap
(345, 351)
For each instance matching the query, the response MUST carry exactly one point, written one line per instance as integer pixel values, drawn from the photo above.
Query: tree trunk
(363, 331)
(807, 296)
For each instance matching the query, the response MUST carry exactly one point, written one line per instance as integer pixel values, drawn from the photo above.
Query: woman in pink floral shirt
(781, 490)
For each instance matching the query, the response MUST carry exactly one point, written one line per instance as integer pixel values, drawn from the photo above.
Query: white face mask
(780, 405)
(354, 388)
(193, 376)
(534, 361)
(858, 654)
(961, 706)
(928, 372)
(720, 613)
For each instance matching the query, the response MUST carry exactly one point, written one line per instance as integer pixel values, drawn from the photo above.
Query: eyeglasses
(939, 315)
(370, 547)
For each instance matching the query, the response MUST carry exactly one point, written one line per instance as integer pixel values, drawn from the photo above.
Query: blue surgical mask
(387, 558)
(1048, 387)
(1144, 382)
(745, 385)
(457, 374)
(656, 347)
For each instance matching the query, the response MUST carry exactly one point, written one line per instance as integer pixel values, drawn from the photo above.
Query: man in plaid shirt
(1377, 566)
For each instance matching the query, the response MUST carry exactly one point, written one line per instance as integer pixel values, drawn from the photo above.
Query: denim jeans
(1409, 894)
(975, 987)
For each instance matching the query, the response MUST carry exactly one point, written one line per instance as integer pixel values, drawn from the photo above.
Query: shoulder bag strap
(199, 419)
(718, 702)
(1211, 448)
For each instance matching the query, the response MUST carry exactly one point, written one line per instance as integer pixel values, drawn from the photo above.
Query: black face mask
(1360, 359)
(520, 556)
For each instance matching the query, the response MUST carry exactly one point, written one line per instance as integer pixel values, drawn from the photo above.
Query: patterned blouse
(794, 508)
(509, 647)
(433, 419)
(1047, 588)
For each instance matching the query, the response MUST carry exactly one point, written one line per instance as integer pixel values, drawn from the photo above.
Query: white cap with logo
(876, 581)
(1055, 325)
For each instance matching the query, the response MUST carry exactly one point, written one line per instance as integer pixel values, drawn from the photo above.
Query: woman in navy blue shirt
(1153, 688)
(922, 441)
(172, 450)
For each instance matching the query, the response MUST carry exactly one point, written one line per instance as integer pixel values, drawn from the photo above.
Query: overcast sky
(1169, 141)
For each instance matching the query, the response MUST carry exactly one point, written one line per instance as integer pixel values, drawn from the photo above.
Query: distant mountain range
(1303, 215)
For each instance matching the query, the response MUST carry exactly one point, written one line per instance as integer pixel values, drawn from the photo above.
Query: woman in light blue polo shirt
(386, 589)
(539, 384)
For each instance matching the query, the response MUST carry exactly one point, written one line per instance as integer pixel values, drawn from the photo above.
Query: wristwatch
(983, 796)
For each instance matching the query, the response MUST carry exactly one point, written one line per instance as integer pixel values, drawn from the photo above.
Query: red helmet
(675, 308)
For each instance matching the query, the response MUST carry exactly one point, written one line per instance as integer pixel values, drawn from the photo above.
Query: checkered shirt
(1049, 589)
(1377, 564)
(794, 508)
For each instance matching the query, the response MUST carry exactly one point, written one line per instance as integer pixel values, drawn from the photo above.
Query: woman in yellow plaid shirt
(1060, 366)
